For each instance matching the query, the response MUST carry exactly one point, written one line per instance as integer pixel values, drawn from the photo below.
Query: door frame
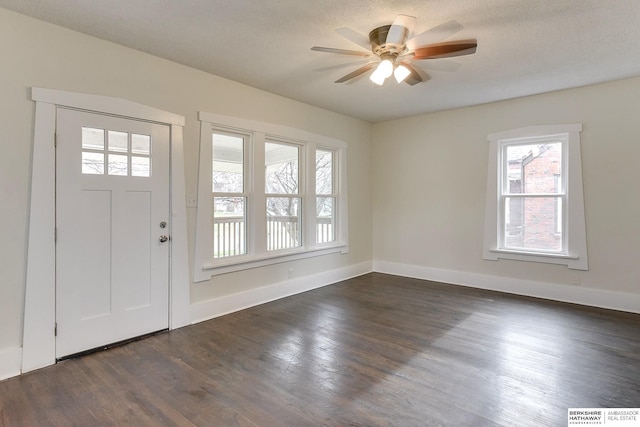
(38, 347)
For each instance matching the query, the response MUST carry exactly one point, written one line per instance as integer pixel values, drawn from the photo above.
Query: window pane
(281, 168)
(532, 223)
(228, 164)
(118, 141)
(118, 164)
(324, 172)
(229, 226)
(92, 163)
(140, 166)
(283, 223)
(92, 139)
(533, 168)
(140, 144)
(325, 225)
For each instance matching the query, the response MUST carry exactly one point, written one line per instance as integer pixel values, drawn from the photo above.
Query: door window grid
(126, 154)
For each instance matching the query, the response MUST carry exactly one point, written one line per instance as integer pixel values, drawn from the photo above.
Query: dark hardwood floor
(377, 350)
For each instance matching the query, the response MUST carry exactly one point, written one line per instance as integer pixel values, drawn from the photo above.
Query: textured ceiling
(524, 46)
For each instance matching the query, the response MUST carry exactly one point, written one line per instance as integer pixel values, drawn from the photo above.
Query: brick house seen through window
(534, 222)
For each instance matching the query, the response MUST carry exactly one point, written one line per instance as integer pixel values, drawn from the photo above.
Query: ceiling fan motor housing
(379, 45)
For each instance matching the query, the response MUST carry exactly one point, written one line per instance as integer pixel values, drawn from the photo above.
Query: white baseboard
(558, 292)
(216, 307)
(10, 362)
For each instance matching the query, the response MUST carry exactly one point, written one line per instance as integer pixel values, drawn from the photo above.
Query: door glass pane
(283, 223)
(228, 164)
(140, 166)
(229, 226)
(281, 168)
(118, 141)
(117, 164)
(324, 172)
(532, 168)
(140, 144)
(532, 223)
(325, 219)
(92, 163)
(92, 139)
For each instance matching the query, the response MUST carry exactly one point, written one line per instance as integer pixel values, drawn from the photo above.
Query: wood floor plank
(376, 350)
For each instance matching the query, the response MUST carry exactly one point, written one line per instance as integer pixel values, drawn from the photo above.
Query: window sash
(299, 169)
(509, 233)
(332, 179)
(229, 232)
(285, 229)
(326, 225)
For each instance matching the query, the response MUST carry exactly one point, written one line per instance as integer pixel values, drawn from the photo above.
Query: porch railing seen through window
(283, 232)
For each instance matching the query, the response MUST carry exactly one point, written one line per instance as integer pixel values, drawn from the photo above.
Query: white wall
(429, 178)
(34, 53)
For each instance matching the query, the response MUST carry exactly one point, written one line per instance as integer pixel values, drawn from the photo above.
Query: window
(266, 194)
(325, 196)
(534, 208)
(282, 176)
(229, 196)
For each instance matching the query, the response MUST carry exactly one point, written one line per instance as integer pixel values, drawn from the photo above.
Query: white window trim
(39, 313)
(204, 265)
(576, 255)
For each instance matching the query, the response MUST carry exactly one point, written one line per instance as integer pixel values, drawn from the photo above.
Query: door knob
(163, 238)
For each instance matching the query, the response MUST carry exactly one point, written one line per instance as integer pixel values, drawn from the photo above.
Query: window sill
(572, 261)
(532, 253)
(229, 266)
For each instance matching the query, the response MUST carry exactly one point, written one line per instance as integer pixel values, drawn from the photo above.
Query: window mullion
(258, 207)
(309, 205)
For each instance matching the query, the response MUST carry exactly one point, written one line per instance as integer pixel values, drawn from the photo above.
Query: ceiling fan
(391, 49)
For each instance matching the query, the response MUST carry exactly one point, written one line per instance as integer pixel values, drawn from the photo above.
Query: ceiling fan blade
(356, 73)
(416, 76)
(339, 66)
(442, 65)
(401, 29)
(355, 37)
(445, 50)
(435, 34)
(340, 51)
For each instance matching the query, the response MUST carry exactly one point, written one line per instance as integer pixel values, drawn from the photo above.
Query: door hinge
(55, 330)
(55, 139)
(55, 234)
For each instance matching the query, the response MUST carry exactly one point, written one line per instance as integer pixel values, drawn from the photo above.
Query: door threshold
(108, 346)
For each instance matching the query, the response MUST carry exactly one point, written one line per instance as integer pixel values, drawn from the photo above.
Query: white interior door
(112, 217)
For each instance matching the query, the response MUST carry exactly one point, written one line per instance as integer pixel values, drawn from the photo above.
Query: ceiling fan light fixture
(400, 73)
(384, 70)
(377, 77)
